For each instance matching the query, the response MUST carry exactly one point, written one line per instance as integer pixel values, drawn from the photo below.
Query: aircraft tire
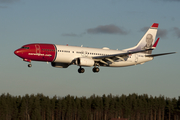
(29, 65)
(81, 70)
(95, 69)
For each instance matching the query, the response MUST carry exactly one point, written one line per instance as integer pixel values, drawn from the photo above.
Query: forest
(105, 107)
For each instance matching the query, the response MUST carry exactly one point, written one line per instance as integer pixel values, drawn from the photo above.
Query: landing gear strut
(95, 69)
(81, 70)
(27, 60)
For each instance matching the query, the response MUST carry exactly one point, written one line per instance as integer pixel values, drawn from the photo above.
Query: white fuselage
(66, 54)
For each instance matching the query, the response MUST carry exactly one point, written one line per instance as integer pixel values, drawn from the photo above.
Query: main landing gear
(95, 70)
(81, 70)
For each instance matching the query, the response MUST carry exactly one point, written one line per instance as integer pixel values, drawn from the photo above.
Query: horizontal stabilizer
(154, 55)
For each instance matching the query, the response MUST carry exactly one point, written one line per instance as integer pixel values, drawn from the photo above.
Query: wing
(155, 55)
(111, 58)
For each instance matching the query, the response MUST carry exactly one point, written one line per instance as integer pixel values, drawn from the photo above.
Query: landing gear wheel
(29, 65)
(95, 69)
(81, 70)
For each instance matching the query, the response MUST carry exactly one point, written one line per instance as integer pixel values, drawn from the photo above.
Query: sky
(117, 24)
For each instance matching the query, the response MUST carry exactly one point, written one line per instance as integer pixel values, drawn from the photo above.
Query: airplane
(62, 56)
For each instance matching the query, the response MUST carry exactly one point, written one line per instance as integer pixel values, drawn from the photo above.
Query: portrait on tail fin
(149, 41)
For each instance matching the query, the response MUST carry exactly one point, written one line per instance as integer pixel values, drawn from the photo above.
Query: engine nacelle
(83, 61)
(59, 65)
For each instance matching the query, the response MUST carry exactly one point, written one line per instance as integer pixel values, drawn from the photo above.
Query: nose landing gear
(27, 60)
(29, 65)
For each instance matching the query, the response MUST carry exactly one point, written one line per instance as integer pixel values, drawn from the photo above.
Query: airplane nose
(17, 52)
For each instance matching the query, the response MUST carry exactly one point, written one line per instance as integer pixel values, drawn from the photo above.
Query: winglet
(155, 44)
(155, 25)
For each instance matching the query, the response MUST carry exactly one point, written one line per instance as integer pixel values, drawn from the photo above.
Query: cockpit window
(25, 47)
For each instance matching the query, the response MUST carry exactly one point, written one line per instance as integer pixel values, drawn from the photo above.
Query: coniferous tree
(105, 106)
(133, 106)
(58, 109)
(36, 109)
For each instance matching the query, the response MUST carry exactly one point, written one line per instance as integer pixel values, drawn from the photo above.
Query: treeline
(133, 107)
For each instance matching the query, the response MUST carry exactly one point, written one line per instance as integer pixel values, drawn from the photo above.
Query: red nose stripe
(37, 52)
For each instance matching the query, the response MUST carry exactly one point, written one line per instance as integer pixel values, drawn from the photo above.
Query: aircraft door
(84, 53)
(136, 58)
(38, 50)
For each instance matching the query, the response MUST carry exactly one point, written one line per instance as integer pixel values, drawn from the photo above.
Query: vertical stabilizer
(147, 40)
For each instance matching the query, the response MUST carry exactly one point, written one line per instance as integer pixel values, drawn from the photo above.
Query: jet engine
(83, 61)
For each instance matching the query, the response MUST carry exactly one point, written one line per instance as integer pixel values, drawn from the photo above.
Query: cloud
(9, 1)
(161, 32)
(144, 29)
(70, 34)
(176, 31)
(73, 35)
(107, 29)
